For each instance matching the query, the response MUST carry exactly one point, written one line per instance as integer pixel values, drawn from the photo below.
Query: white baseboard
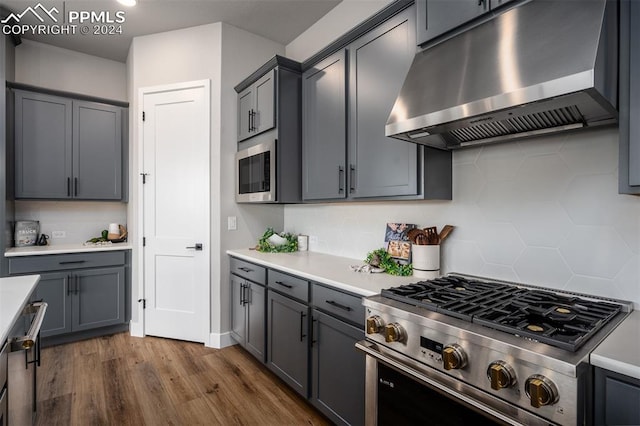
(136, 329)
(220, 340)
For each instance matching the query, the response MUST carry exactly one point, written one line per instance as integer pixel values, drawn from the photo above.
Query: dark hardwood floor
(124, 380)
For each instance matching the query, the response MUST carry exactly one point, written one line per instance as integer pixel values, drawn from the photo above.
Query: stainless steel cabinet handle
(249, 121)
(283, 284)
(338, 305)
(28, 341)
(302, 317)
(242, 296)
(242, 268)
(69, 262)
(340, 179)
(197, 247)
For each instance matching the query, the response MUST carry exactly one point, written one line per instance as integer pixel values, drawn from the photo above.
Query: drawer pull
(242, 268)
(338, 305)
(283, 284)
(69, 262)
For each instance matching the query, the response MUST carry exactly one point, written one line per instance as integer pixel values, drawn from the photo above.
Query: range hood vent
(540, 68)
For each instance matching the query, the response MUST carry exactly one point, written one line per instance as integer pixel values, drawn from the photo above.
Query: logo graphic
(34, 11)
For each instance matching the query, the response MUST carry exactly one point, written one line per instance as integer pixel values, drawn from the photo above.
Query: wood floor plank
(124, 380)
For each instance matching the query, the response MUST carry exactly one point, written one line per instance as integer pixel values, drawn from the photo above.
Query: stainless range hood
(542, 67)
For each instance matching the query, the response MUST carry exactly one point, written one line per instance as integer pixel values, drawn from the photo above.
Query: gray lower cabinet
(347, 99)
(288, 341)
(67, 148)
(617, 399)
(338, 369)
(248, 326)
(84, 291)
(82, 300)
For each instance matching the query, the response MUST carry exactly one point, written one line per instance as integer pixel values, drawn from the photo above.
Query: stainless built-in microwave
(256, 173)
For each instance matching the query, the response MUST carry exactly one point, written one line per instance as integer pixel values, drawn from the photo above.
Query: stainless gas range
(468, 350)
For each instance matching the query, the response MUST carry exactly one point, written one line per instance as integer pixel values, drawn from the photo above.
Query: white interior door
(176, 211)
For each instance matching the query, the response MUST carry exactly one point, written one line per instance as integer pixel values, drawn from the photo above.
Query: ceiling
(278, 20)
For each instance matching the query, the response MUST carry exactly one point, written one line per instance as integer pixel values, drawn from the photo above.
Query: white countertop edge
(302, 274)
(14, 294)
(63, 249)
(615, 365)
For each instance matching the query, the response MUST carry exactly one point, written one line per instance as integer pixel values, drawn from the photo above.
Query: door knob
(197, 247)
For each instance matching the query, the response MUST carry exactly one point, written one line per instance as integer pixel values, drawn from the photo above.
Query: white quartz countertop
(14, 294)
(64, 248)
(620, 351)
(323, 268)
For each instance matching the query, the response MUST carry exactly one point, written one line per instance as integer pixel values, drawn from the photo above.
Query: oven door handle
(29, 340)
(371, 350)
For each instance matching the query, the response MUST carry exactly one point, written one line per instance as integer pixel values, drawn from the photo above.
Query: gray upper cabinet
(379, 61)
(629, 160)
(324, 137)
(97, 151)
(347, 99)
(256, 107)
(67, 148)
(435, 18)
(43, 146)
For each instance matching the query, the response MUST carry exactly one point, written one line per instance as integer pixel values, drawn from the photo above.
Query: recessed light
(128, 2)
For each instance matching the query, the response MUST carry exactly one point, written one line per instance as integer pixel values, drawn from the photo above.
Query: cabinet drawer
(290, 285)
(248, 270)
(340, 304)
(57, 262)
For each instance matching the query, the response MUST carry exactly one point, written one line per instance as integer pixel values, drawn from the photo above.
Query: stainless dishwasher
(23, 360)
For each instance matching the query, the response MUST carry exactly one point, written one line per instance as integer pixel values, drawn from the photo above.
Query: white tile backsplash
(543, 211)
(80, 220)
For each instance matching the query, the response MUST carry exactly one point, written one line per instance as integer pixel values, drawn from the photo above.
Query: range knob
(394, 332)
(454, 357)
(374, 324)
(541, 391)
(501, 375)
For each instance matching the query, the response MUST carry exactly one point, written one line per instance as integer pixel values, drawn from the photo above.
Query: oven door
(256, 173)
(399, 390)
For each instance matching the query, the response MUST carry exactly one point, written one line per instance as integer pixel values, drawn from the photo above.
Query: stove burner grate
(563, 321)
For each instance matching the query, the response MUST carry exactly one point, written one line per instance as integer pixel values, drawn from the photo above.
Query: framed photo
(396, 241)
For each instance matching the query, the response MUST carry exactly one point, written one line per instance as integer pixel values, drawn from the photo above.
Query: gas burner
(559, 320)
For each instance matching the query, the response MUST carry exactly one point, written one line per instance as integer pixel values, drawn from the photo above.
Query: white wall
(544, 211)
(225, 55)
(54, 68)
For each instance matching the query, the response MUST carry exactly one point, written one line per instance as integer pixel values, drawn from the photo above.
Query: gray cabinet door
(379, 61)
(238, 311)
(97, 151)
(43, 144)
(338, 370)
(98, 298)
(617, 399)
(265, 103)
(256, 318)
(288, 348)
(436, 17)
(245, 109)
(324, 131)
(54, 289)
